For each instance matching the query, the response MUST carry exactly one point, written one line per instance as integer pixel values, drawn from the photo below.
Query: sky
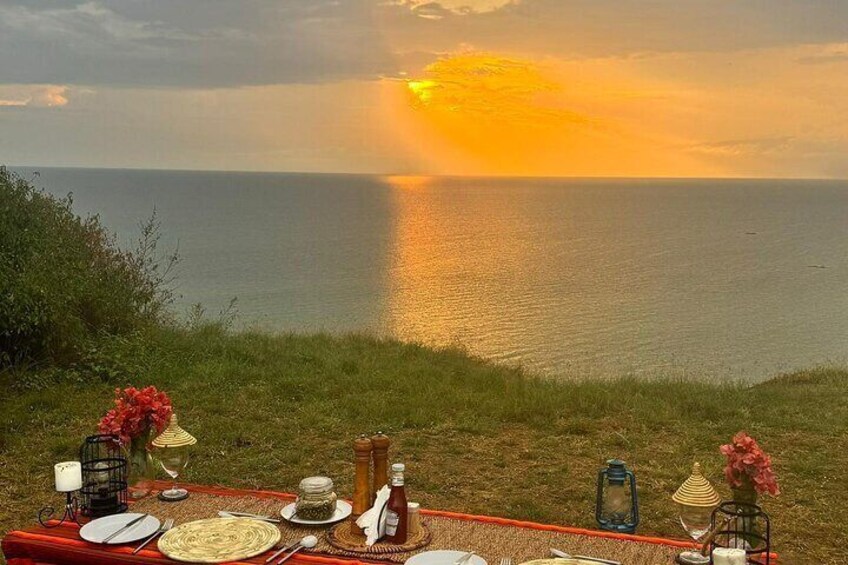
(656, 88)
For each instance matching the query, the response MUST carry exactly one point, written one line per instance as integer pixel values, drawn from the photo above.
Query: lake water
(714, 279)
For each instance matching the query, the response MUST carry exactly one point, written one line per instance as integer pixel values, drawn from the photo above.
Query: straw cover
(697, 490)
(174, 436)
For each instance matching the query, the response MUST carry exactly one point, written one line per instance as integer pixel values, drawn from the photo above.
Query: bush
(64, 283)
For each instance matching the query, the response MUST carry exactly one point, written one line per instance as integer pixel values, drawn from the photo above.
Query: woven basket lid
(174, 436)
(697, 490)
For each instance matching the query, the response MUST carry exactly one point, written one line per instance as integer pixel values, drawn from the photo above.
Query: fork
(169, 523)
(506, 560)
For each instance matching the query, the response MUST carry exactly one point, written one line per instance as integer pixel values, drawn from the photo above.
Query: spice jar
(316, 500)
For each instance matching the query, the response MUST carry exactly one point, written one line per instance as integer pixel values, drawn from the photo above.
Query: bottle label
(392, 520)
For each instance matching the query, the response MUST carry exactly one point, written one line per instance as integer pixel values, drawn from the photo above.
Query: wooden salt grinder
(381, 443)
(362, 484)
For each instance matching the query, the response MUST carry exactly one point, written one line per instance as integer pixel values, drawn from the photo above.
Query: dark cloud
(224, 43)
(194, 43)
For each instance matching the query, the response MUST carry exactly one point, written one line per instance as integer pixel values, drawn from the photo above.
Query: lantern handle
(599, 504)
(635, 497)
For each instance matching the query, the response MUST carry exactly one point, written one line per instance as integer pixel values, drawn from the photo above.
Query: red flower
(746, 462)
(136, 412)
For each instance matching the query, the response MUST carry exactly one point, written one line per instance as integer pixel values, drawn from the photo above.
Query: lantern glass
(617, 503)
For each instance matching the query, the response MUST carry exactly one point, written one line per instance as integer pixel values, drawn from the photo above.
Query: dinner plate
(98, 530)
(444, 557)
(343, 510)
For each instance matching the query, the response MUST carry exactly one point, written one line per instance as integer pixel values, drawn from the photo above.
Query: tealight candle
(68, 476)
(729, 556)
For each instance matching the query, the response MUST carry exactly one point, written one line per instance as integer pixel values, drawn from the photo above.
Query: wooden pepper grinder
(381, 443)
(362, 484)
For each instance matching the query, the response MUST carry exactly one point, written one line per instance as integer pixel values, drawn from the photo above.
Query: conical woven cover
(697, 490)
(174, 436)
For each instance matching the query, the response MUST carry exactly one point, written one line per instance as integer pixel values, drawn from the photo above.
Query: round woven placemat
(342, 537)
(218, 540)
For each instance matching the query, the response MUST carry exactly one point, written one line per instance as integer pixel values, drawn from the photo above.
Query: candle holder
(742, 526)
(68, 476)
(45, 515)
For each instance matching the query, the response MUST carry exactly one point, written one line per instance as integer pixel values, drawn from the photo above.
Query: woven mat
(491, 541)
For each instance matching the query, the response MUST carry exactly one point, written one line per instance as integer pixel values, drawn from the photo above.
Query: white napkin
(373, 520)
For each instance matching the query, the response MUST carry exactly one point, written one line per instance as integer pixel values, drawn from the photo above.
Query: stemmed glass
(173, 461)
(696, 521)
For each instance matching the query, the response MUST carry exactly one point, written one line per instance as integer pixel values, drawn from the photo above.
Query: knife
(125, 527)
(228, 514)
(565, 555)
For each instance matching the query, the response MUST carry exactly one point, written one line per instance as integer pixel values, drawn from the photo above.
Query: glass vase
(141, 467)
(748, 527)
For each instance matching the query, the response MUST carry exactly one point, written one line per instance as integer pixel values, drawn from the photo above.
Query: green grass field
(476, 437)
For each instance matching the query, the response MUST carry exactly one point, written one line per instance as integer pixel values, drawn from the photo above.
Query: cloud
(743, 147)
(829, 53)
(35, 96)
(429, 10)
(192, 43)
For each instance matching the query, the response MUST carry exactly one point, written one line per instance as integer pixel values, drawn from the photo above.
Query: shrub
(64, 283)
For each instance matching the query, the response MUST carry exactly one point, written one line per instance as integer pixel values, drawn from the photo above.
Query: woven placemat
(342, 537)
(218, 540)
(490, 541)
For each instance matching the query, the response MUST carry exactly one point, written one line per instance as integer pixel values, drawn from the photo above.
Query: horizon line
(430, 175)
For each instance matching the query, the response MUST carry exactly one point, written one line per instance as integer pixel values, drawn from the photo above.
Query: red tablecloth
(62, 545)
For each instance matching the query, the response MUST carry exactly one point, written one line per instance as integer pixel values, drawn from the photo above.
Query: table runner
(492, 538)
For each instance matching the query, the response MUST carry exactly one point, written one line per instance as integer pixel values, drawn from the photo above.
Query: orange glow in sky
(480, 113)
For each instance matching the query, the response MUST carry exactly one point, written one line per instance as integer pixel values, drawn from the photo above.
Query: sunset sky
(523, 87)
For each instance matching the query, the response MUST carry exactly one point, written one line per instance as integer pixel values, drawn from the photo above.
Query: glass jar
(316, 500)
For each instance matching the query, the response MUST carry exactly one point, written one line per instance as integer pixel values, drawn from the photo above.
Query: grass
(476, 437)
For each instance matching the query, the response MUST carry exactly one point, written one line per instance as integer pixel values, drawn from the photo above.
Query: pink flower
(745, 460)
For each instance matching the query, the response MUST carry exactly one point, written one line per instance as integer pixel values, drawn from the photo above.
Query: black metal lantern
(742, 526)
(617, 505)
(104, 476)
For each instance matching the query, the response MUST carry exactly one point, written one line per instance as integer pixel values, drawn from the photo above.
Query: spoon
(306, 543)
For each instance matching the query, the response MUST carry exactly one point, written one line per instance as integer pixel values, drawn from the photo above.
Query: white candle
(729, 556)
(68, 476)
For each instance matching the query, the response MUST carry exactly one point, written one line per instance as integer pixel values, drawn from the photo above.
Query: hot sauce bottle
(397, 508)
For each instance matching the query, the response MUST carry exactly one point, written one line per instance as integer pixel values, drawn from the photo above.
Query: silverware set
(307, 542)
(169, 523)
(124, 528)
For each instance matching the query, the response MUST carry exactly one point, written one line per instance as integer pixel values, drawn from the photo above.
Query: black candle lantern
(617, 504)
(104, 477)
(742, 526)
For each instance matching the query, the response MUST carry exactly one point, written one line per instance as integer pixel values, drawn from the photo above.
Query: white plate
(443, 557)
(98, 530)
(343, 510)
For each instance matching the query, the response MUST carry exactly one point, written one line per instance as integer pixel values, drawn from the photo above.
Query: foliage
(65, 284)
(268, 410)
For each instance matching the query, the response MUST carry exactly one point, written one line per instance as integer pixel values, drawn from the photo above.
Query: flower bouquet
(748, 470)
(139, 416)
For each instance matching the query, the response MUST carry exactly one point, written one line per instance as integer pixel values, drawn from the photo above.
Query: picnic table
(491, 537)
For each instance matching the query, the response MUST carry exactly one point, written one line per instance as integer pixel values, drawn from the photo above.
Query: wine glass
(173, 461)
(696, 520)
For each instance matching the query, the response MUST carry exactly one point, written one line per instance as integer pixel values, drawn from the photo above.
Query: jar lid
(315, 485)
(398, 468)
